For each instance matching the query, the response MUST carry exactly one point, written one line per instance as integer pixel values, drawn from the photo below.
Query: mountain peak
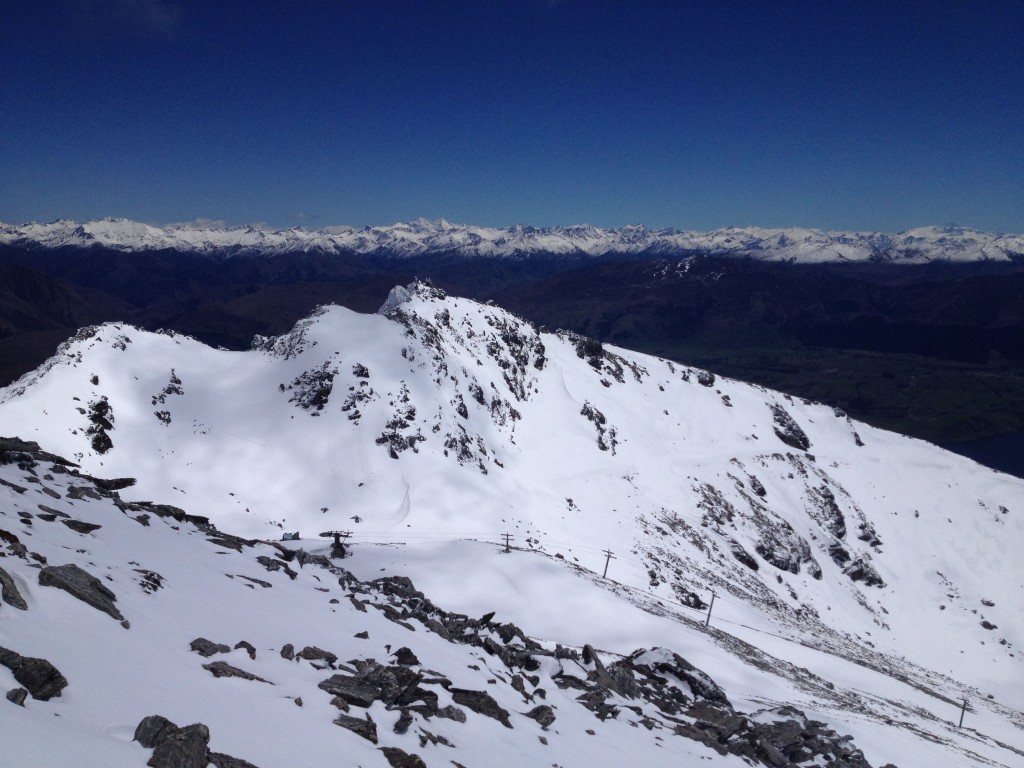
(846, 564)
(423, 237)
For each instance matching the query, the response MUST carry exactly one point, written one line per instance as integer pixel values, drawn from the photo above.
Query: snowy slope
(423, 237)
(285, 632)
(864, 558)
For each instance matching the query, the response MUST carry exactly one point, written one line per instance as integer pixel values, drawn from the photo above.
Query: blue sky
(835, 115)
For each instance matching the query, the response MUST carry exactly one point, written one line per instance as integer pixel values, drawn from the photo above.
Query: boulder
(247, 647)
(9, 592)
(482, 703)
(81, 584)
(351, 690)
(227, 761)
(181, 747)
(17, 696)
(153, 730)
(398, 758)
(405, 657)
(223, 669)
(208, 648)
(365, 728)
(787, 430)
(543, 714)
(184, 748)
(40, 677)
(80, 526)
(312, 653)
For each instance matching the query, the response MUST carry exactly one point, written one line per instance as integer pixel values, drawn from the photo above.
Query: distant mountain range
(422, 238)
(920, 332)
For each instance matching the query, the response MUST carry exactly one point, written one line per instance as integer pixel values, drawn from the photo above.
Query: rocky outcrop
(787, 430)
(656, 688)
(208, 648)
(81, 526)
(223, 669)
(153, 730)
(395, 686)
(81, 584)
(398, 758)
(185, 747)
(364, 727)
(9, 592)
(17, 696)
(40, 677)
(482, 703)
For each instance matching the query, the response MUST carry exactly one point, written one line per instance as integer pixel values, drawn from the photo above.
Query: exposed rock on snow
(787, 430)
(9, 592)
(223, 669)
(40, 677)
(208, 648)
(482, 703)
(361, 726)
(399, 758)
(17, 696)
(81, 584)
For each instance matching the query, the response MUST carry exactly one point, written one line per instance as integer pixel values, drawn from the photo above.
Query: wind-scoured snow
(423, 237)
(836, 553)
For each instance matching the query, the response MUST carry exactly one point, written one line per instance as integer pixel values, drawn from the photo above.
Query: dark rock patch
(80, 526)
(208, 648)
(247, 647)
(543, 714)
(787, 430)
(223, 669)
(365, 728)
(482, 703)
(9, 592)
(227, 761)
(153, 730)
(40, 677)
(175, 747)
(861, 570)
(81, 584)
(398, 758)
(273, 564)
(405, 657)
(183, 748)
(312, 653)
(17, 696)
(101, 418)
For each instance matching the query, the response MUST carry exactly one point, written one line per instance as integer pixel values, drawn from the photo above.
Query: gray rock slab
(81, 584)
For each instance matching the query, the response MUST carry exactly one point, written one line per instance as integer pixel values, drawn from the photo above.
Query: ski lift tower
(338, 547)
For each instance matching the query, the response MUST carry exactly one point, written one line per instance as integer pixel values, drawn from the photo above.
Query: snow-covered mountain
(868, 580)
(423, 237)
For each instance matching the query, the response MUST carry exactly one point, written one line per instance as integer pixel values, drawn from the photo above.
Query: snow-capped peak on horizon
(425, 237)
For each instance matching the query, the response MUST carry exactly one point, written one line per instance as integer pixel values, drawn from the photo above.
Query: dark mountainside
(935, 351)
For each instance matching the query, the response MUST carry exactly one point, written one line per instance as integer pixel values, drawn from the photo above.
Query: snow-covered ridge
(882, 565)
(423, 237)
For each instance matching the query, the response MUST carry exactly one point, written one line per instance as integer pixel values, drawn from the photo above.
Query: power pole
(962, 710)
(708, 619)
(608, 558)
(508, 538)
